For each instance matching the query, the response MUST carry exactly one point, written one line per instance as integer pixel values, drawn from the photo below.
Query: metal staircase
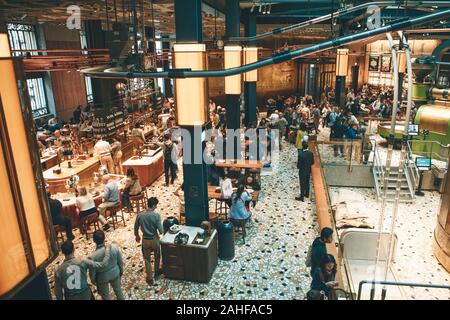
(408, 183)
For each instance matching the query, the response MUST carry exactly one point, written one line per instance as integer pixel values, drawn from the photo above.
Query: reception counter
(191, 262)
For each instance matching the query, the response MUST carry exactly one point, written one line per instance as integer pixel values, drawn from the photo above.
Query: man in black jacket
(58, 218)
(304, 163)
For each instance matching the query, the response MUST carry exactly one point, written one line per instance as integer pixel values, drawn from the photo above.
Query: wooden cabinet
(189, 262)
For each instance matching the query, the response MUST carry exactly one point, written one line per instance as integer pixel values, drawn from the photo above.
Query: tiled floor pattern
(271, 263)
(269, 266)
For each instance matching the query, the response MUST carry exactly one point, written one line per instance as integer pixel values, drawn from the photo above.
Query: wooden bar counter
(148, 168)
(82, 168)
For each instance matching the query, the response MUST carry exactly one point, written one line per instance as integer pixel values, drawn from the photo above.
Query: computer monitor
(423, 164)
(413, 129)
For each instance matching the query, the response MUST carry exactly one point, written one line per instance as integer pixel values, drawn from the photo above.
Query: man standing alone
(304, 163)
(150, 223)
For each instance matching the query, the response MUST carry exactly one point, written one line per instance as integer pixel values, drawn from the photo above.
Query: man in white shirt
(103, 150)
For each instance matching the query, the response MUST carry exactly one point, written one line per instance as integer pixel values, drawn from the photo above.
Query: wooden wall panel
(69, 89)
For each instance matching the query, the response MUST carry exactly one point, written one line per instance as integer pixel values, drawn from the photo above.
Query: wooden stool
(115, 213)
(88, 221)
(138, 202)
(59, 231)
(221, 209)
(239, 225)
(144, 191)
(214, 218)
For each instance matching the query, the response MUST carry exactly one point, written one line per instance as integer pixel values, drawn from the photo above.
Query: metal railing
(400, 284)
(377, 170)
(344, 266)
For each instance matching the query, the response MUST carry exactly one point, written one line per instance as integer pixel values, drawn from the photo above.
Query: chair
(221, 209)
(138, 202)
(239, 225)
(59, 231)
(88, 221)
(214, 218)
(114, 213)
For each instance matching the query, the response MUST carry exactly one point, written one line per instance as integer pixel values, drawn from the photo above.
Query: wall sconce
(401, 61)
(341, 62)
(233, 59)
(27, 239)
(190, 94)
(251, 56)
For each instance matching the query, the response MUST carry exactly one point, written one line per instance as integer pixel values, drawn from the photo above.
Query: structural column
(355, 78)
(103, 90)
(188, 22)
(166, 65)
(441, 241)
(250, 87)
(232, 26)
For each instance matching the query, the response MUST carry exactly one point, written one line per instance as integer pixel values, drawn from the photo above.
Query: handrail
(401, 284)
(327, 219)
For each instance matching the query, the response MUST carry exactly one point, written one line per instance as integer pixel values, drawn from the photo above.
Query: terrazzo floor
(271, 265)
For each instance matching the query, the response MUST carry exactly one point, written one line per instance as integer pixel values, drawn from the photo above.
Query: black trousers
(304, 186)
(172, 167)
(66, 223)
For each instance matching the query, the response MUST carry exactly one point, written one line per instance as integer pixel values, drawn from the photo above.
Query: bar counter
(82, 168)
(149, 167)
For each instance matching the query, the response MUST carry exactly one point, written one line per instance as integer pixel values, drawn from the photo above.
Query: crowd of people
(294, 118)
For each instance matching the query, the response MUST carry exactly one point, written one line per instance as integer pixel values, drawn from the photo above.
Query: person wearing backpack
(318, 250)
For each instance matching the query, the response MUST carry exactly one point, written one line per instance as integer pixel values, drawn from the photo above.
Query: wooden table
(191, 262)
(69, 200)
(240, 164)
(217, 195)
(148, 168)
(82, 168)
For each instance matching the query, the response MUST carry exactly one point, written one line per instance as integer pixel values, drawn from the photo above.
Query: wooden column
(441, 241)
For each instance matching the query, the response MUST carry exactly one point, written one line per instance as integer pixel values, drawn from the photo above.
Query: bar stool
(59, 231)
(88, 221)
(115, 213)
(138, 202)
(221, 209)
(214, 218)
(239, 225)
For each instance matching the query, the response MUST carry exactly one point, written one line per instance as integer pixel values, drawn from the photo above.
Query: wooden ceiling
(159, 12)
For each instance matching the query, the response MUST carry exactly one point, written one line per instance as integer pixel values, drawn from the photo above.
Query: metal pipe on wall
(336, 14)
(282, 57)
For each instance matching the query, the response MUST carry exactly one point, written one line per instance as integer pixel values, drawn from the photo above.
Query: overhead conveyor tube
(387, 171)
(337, 14)
(282, 57)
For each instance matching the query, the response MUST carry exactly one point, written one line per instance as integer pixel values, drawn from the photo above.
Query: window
(37, 97)
(89, 94)
(22, 37)
(87, 80)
